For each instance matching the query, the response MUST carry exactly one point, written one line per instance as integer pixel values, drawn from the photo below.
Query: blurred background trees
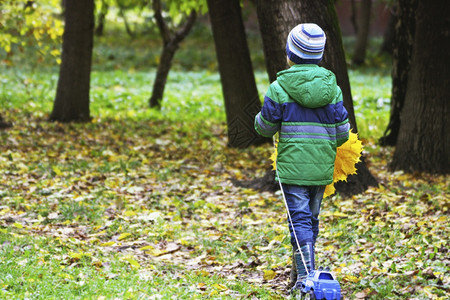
(172, 35)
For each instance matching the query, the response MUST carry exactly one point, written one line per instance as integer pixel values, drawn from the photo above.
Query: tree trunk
(72, 94)
(276, 19)
(100, 26)
(401, 62)
(389, 33)
(241, 97)
(323, 13)
(362, 35)
(122, 14)
(353, 15)
(171, 42)
(423, 141)
(165, 63)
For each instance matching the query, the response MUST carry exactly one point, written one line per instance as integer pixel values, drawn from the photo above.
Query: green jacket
(305, 106)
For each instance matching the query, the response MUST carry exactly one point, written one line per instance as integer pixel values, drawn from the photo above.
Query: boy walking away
(305, 106)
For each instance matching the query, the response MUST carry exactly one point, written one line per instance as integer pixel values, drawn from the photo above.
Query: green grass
(43, 268)
(188, 96)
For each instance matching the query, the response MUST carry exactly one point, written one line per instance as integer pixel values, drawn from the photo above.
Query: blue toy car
(320, 284)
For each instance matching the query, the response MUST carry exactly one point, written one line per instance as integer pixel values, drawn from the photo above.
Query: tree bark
(171, 42)
(353, 15)
(401, 62)
(362, 35)
(128, 29)
(159, 85)
(423, 141)
(100, 26)
(389, 33)
(323, 13)
(276, 19)
(72, 94)
(240, 93)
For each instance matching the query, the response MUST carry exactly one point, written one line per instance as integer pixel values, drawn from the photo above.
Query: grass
(138, 204)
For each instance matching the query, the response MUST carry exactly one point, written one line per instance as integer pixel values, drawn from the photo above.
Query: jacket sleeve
(341, 121)
(268, 120)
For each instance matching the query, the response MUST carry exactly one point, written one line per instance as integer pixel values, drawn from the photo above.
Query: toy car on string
(320, 284)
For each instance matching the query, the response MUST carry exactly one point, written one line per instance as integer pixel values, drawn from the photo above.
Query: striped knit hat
(305, 44)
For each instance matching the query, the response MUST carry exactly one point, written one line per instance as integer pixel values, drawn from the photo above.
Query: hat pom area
(306, 43)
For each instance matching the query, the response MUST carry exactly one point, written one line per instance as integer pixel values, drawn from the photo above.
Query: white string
(289, 214)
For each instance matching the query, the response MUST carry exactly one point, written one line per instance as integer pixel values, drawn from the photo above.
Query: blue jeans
(304, 207)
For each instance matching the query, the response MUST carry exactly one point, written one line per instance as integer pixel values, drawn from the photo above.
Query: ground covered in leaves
(146, 209)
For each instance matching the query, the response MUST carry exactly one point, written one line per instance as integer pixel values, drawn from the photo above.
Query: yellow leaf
(97, 263)
(133, 262)
(155, 252)
(184, 242)
(201, 285)
(347, 155)
(149, 247)
(57, 170)
(273, 157)
(219, 287)
(339, 214)
(123, 236)
(18, 225)
(202, 273)
(329, 190)
(76, 256)
(129, 213)
(351, 278)
(269, 274)
(107, 244)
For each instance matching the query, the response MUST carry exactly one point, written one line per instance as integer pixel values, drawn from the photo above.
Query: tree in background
(362, 33)
(32, 28)
(72, 93)
(275, 23)
(423, 141)
(389, 33)
(275, 32)
(102, 11)
(171, 37)
(130, 5)
(240, 93)
(401, 62)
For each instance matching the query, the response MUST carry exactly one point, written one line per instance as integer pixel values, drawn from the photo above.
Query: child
(305, 106)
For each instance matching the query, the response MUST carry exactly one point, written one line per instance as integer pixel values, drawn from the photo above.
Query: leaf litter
(157, 195)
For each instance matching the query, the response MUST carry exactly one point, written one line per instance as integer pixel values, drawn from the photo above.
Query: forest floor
(146, 209)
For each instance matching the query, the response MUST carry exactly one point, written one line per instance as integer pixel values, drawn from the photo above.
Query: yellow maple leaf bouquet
(347, 155)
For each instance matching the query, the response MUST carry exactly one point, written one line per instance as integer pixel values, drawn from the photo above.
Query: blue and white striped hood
(309, 85)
